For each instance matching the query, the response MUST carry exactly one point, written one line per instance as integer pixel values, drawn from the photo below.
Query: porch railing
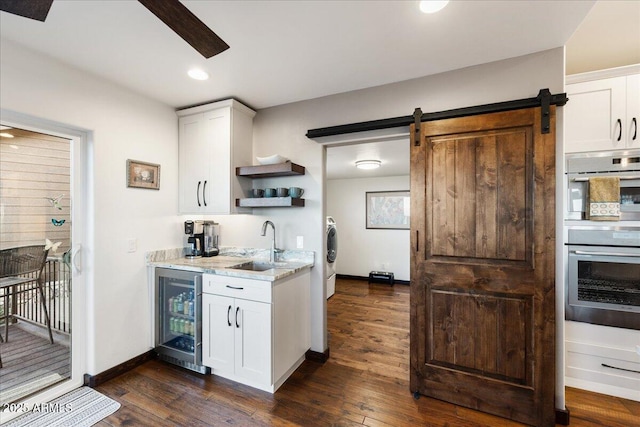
(57, 291)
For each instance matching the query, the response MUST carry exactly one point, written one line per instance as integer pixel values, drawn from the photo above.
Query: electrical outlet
(132, 245)
(299, 242)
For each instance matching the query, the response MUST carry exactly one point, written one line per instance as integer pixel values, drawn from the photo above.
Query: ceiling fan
(173, 13)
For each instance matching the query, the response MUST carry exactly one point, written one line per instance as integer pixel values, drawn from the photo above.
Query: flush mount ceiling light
(5, 135)
(432, 6)
(198, 74)
(368, 164)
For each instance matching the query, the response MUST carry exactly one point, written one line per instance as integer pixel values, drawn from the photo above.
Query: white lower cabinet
(255, 332)
(238, 333)
(602, 359)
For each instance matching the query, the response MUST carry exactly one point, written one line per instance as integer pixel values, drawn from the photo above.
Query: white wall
(124, 126)
(361, 250)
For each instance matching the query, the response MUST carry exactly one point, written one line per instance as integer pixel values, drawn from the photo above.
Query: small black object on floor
(381, 277)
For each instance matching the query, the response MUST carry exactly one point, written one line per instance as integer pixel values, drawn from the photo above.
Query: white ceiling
(394, 157)
(608, 37)
(287, 51)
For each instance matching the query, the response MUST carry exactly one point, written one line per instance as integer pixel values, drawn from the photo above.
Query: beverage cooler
(178, 318)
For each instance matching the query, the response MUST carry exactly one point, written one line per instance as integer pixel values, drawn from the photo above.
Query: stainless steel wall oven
(603, 285)
(580, 167)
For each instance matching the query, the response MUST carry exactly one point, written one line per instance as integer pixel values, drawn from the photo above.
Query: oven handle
(585, 179)
(604, 253)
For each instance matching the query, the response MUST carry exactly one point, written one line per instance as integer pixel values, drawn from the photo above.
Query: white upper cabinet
(602, 114)
(214, 140)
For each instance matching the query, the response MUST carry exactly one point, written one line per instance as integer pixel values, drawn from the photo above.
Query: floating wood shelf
(265, 171)
(269, 202)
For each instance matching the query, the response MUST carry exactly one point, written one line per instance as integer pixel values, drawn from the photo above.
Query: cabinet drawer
(585, 362)
(236, 287)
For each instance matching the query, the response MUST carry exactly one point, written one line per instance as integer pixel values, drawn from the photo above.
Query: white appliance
(332, 254)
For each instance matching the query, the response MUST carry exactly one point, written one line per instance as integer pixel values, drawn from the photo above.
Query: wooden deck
(365, 382)
(31, 362)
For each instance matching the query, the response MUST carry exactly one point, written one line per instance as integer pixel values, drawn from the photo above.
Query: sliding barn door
(482, 267)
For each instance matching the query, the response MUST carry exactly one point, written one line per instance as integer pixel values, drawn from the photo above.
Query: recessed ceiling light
(6, 135)
(432, 6)
(368, 164)
(198, 74)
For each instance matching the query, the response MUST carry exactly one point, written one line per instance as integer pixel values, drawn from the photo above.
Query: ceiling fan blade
(34, 9)
(187, 25)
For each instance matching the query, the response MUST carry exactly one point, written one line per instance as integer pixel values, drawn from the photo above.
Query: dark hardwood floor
(365, 382)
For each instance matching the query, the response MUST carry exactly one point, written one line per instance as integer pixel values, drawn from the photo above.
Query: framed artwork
(388, 210)
(143, 175)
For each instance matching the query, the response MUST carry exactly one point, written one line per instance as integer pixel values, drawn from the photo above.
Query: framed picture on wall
(388, 210)
(143, 175)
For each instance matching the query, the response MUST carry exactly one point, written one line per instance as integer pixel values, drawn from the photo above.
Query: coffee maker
(211, 232)
(194, 230)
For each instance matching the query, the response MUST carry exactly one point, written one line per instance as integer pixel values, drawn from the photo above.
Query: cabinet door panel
(253, 341)
(192, 150)
(592, 113)
(218, 134)
(218, 329)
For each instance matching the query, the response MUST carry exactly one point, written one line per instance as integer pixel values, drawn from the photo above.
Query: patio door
(43, 200)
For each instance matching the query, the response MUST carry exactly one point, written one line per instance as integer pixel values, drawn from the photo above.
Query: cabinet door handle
(237, 310)
(204, 197)
(619, 122)
(228, 313)
(635, 129)
(238, 288)
(198, 193)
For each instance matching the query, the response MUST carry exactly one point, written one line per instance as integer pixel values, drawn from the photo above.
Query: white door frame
(82, 244)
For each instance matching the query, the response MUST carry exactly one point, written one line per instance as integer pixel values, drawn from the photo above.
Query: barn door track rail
(544, 100)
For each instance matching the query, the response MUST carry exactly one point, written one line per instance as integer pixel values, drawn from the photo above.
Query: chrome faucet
(274, 250)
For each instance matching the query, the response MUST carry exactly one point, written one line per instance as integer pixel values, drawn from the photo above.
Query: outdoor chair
(21, 266)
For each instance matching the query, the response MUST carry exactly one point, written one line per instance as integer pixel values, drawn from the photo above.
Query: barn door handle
(619, 122)
(417, 240)
(198, 193)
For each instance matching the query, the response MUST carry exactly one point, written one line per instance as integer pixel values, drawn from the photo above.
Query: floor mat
(82, 407)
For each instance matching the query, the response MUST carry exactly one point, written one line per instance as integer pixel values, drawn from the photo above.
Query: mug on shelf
(282, 192)
(296, 192)
(257, 192)
(269, 192)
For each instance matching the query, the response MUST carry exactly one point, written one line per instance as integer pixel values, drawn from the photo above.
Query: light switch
(132, 245)
(299, 242)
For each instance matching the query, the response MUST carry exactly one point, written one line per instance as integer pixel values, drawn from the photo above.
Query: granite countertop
(288, 262)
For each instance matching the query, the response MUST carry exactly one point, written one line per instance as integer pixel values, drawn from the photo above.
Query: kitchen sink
(258, 266)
